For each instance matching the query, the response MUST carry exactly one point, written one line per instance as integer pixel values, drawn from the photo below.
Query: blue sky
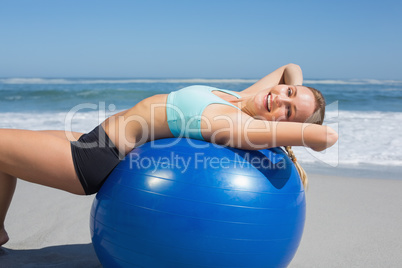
(206, 39)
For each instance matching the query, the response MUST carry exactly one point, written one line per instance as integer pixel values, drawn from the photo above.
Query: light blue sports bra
(184, 109)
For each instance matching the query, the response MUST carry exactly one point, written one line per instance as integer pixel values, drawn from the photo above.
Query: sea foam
(120, 81)
(66, 81)
(365, 138)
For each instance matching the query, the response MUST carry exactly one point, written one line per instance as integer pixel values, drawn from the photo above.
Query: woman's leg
(38, 157)
(42, 157)
(7, 187)
(67, 135)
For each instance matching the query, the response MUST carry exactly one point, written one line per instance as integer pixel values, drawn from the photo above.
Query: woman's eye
(289, 92)
(288, 113)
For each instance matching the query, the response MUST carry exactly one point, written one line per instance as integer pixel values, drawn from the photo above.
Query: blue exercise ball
(189, 203)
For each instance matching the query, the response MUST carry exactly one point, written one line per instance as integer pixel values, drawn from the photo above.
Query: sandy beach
(351, 222)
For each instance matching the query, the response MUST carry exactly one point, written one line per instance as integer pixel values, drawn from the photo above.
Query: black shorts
(94, 157)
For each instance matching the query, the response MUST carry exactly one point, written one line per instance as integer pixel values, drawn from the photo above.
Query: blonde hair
(300, 170)
(316, 118)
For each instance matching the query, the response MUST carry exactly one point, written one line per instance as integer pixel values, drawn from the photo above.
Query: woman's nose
(280, 100)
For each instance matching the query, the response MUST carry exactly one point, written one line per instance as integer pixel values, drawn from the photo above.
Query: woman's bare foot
(3, 236)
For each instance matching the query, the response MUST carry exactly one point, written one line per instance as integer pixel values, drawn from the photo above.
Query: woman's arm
(245, 132)
(290, 74)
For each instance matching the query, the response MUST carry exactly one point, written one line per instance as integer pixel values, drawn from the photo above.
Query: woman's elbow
(293, 65)
(332, 137)
(328, 139)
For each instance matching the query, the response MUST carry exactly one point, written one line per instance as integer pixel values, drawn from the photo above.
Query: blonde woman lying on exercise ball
(275, 111)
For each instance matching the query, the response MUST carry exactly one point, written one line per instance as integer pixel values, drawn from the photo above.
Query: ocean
(366, 113)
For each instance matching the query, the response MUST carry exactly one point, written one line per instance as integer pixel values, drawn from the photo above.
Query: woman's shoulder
(148, 102)
(197, 88)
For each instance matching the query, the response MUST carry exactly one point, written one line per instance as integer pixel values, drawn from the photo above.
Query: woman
(270, 113)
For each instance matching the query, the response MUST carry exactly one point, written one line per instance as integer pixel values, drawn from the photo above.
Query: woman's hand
(321, 139)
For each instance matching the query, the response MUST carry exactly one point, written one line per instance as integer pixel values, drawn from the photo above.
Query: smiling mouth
(269, 102)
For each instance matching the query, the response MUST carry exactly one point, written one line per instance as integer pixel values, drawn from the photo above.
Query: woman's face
(284, 103)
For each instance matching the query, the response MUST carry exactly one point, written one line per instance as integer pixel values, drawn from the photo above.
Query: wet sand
(351, 222)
